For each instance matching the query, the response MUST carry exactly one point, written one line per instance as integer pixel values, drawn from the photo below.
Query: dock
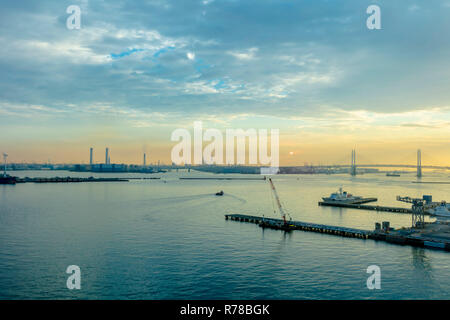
(220, 178)
(432, 236)
(138, 178)
(432, 182)
(298, 225)
(366, 207)
(360, 201)
(68, 180)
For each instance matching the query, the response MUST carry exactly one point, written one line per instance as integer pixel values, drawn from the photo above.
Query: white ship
(442, 210)
(342, 197)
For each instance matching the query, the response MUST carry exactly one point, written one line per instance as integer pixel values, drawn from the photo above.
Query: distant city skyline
(103, 158)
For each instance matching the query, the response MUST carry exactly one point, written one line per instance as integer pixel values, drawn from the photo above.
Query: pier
(220, 178)
(358, 201)
(67, 180)
(15, 180)
(366, 207)
(273, 223)
(432, 236)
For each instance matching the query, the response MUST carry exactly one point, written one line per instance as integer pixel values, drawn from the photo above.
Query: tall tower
(91, 156)
(419, 163)
(145, 160)
(5, 156)
(353, 167)
(107, 156)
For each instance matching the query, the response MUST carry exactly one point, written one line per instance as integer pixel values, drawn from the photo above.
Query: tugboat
(392, 174)
(220, 193)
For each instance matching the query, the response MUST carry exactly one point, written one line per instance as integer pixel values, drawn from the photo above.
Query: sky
(137, 70)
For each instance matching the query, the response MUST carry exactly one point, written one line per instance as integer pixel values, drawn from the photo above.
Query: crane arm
(418, 202)
(283, 214)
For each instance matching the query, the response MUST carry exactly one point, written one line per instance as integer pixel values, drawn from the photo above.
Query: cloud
(248, 54)
(263, 57)
(75, 53)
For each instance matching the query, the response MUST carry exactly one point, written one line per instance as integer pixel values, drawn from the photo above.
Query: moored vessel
(392, 174)
(442, 210)
(342, 197)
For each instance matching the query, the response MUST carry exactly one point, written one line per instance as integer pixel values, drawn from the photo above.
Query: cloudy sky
(137, 70)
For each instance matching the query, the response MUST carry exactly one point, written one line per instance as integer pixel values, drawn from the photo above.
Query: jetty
(432, 235)
(273, 223)
(220, 178)
(431, 182)
(366, 207)
(67, 180)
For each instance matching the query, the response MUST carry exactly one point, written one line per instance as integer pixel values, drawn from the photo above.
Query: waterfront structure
(353, 167)
(419, 163)
(107, 156)
(5, 156)
(91, 162)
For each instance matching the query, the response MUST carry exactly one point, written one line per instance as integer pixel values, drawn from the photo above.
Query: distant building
(107, 156)
(91, 158)
(109, 168)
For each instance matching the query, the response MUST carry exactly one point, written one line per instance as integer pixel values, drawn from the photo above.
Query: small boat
(220, 193)
(392, 174)
(342, 197)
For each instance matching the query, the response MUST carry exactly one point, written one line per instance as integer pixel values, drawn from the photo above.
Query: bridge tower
(419, 163)
(353, 167)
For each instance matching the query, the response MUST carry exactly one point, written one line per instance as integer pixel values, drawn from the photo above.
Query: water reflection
(421, 262)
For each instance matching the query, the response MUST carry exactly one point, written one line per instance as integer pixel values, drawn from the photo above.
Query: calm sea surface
(168, 239)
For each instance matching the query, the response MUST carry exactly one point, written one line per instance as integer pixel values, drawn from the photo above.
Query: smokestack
(107, 156)
(91, 156)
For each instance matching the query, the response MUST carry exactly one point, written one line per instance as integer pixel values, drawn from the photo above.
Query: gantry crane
(418, 210)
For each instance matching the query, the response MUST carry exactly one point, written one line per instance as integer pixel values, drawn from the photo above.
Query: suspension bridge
(353, 165)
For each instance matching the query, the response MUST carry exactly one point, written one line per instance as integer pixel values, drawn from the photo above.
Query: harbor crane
(283, 212)
(419, 206)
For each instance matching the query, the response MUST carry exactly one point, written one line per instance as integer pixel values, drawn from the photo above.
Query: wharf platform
(433, 235)
(366, 207)
(220, 178)
(298, 225)
(68, 180)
